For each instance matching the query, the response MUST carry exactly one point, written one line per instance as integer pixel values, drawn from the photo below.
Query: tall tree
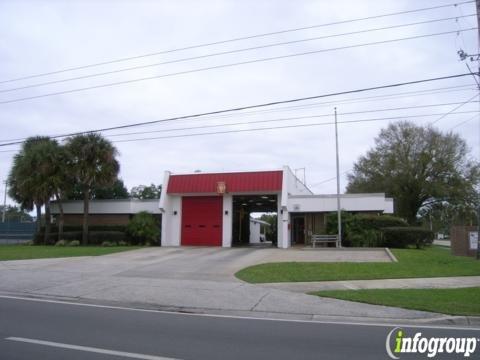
(419, 166)
(33, 178)
(92, 161)
(62, 182)
(144, 192)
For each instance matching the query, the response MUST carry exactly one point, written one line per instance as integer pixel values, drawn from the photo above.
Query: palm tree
(20, 187)
(92, 162)
(31, 178)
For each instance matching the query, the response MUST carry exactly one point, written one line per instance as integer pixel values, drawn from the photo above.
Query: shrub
(74, 243)
(362, 230)
(122, 243)
(402, 237)
(53, 237)
(97, 237)
(28, 243)
(364, 238)
(61, 243)
(368, 221)
(107, 243)
(143, 229)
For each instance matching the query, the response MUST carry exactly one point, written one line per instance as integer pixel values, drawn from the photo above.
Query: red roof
(235, 182)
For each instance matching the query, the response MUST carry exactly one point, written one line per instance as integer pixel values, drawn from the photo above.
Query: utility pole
(4, 203)
(477, 3)
(339, 211)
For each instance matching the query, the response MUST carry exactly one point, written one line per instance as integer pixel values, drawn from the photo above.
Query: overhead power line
(455, 108)
(234, 40)
(273, 128)
(132, 68)
(273, 103)
(397, 95)
(328, 180)
(227, 65)
(292, 118)
(278, 120)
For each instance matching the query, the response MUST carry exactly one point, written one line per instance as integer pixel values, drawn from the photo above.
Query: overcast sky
(46, 36)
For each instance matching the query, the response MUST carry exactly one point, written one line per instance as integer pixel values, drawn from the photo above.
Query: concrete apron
(135, 279)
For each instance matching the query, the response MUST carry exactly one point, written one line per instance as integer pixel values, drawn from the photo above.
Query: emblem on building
(221, 187)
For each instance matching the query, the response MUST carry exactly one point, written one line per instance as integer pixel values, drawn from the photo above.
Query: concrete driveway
(217, 264)
(190, 279)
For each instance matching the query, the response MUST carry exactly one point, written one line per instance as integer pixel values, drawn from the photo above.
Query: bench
(325, 239)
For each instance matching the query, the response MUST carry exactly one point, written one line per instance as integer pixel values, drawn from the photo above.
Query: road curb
(472, 322)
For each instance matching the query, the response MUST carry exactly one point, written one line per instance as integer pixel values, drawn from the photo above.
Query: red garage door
(202, 220)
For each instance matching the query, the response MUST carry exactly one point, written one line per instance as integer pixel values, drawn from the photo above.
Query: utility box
(464, 240)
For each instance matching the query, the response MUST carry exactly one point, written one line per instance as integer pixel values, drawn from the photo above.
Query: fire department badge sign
(221, 187)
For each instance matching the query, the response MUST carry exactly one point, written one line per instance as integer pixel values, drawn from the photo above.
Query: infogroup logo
(432, 346)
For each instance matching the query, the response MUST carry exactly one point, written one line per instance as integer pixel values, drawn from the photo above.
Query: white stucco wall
(349, 202)
(292, 184)
(227, 225)
(254, 232)
(171, 222)
(283, 234)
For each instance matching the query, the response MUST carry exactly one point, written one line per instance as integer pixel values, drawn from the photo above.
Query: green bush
(362, 230)
(94, 237)
(53, 237)
(122, 243)
(368, 221)
(61, 243)
(402, 237)
(107, 243)
(98, 237)
(74, 243)
(143, 228)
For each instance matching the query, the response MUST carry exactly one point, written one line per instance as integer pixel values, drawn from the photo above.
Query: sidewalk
(417, 283)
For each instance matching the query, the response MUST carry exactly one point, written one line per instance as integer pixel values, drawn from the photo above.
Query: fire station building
(213, 209)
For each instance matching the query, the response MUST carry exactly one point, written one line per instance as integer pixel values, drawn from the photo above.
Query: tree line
(85, 167)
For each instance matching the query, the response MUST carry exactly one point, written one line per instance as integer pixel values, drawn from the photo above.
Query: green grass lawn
(20, 252)
(463, 301)
(430, 262)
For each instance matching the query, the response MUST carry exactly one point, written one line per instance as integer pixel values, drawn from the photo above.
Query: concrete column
(227, 223)
(164, 233)
(283, 231)
(171, 221)
(175, 221)
(164, 206)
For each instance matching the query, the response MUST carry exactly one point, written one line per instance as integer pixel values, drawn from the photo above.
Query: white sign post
(473, 240)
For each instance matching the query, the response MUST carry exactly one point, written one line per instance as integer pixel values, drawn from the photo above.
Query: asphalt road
(45, 330)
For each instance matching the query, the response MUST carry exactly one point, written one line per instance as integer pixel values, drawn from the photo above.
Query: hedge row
(365, 230)
(94, 237)
(402, 237)
(142, 229)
